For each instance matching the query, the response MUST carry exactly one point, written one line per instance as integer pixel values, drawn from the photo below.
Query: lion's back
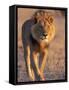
(26, 30)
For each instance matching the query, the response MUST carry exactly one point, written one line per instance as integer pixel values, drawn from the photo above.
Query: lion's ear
(36, 16)
(51, 19)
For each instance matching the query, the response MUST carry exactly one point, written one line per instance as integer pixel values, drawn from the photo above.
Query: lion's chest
(36, 45)
(43, 46)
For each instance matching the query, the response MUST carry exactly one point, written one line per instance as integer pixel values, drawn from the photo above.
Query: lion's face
(43, 29)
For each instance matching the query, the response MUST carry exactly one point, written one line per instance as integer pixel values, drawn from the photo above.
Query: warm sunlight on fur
(41, 31)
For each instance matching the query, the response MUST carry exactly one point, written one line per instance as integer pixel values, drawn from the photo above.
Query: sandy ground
(55, 65)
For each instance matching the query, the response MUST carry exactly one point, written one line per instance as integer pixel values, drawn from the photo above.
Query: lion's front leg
(44, 57)
(28, 64)
(37, 71)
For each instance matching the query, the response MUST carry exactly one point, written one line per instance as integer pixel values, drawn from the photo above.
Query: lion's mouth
(44, 36)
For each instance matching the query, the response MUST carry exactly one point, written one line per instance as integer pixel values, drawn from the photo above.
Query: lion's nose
(44, 34)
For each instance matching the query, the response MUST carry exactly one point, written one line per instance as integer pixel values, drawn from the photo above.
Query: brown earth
(55, 65)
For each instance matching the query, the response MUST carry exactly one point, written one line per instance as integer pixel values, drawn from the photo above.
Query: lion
(37, 34)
